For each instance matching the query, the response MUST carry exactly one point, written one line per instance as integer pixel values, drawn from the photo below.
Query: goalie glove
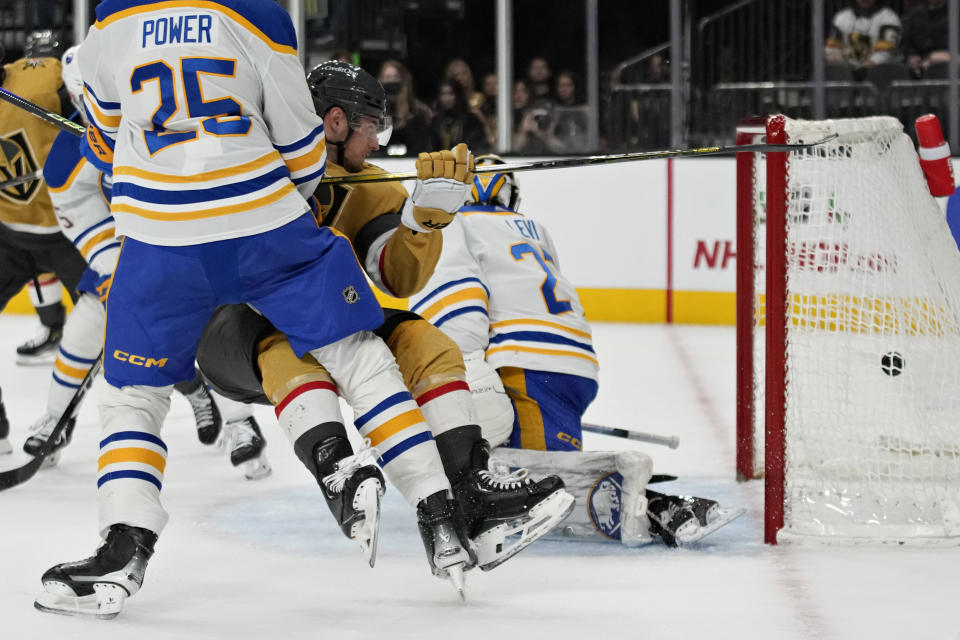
(443, 182)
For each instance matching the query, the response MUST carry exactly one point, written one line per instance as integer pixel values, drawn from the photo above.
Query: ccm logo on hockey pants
(140, 361)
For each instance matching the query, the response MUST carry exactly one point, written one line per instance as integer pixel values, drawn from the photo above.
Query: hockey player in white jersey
(498, 292)
(202, 113)
(80, 194)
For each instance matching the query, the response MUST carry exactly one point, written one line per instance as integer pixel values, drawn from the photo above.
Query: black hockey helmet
(494, 188)
(44, 43)
(340, 84)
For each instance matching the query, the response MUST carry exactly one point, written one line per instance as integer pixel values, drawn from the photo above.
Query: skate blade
(493, 546)
(367, 533)
(105, 603)
(719, 518)
(51, 460)
(458, 580)
(36, 361)
(257, 468)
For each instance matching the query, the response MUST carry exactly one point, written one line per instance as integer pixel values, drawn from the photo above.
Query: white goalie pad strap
(494, 410)
(609, 487)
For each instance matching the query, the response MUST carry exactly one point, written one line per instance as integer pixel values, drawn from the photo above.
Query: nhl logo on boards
(892, 363)
(603, 505)
(350, 295)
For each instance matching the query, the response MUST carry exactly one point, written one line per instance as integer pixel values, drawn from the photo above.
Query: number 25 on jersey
(222, 117)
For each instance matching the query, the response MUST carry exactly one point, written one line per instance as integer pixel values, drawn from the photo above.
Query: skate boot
(352, 484)
(42, 348)
(245, 443)
(503, 512)
(442, 532)
(685, 519)
(4, 430)
(99, 585)
(205, 410)
(40, 432)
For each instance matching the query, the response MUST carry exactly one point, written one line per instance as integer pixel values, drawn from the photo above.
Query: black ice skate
(40, 432)
(245, 443)
(205, 410)
(42, 348)
(99, 585)
(442, 532)
(4, 430)
(684, 519)
(503, 512)
(352, 484)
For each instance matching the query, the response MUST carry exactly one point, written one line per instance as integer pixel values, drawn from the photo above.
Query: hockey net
(848, 336)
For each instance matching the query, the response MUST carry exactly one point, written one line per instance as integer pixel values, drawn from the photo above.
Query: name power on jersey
(187, 28)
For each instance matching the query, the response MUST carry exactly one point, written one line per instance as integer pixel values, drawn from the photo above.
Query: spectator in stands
(454, 122)
(489, 89)
(864, 34)
(569, 115)
(925, 36)
(459, 72)
(411, 117)
(658, 70)
(538, 78)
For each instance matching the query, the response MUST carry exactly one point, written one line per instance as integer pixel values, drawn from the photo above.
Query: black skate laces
(345, 468)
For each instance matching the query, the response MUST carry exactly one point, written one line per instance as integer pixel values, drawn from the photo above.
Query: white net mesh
(873, 332)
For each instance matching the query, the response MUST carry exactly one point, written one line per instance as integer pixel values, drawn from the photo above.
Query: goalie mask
(341, 84)
(494, 188)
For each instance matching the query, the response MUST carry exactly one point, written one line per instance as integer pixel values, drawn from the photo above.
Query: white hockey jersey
(498, 287)
(81, 200)
(202, 109)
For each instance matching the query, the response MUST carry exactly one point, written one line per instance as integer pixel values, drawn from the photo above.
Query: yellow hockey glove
(443, 183)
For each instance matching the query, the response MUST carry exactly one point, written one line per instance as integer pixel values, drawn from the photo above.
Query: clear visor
(372, 128)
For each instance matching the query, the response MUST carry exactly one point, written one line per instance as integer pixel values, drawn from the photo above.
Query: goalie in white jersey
(202, 112)
(497, 290)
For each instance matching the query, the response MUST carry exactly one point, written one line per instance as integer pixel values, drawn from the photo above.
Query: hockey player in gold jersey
(398, 243)
(30, 240)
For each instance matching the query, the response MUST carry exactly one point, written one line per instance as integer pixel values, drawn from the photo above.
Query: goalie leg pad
(609, 488)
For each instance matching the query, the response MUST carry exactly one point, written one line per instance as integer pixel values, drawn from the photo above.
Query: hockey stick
(44, 114)
(19, 475)
(29, 177)
(652, 438)
(562, 163)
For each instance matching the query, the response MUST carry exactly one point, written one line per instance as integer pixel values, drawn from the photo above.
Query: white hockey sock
(386, 413)
(132, 456)
(307, 406)
(447, 407)
(81, 343)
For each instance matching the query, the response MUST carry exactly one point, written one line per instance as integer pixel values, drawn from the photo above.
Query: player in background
(31, 245)
(498, 292)
(45, 291)
(398, 254)
(202, 113)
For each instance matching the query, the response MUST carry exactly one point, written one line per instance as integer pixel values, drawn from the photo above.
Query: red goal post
(848, 336)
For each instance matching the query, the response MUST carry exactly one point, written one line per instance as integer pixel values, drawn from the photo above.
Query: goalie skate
(99, 585)
(685, 519)
(507, 537)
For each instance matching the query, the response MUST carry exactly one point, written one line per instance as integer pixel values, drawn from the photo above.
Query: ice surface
(263, 559)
